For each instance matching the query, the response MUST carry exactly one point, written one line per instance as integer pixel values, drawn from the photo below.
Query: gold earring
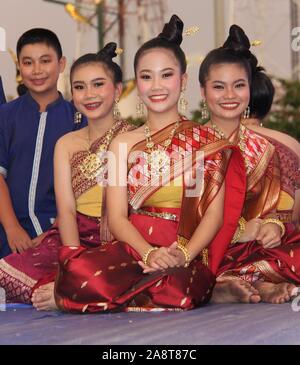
(116, 110)
(77, 117)
(246, 114)
(204, 110)
(183, 103)
(140, 111)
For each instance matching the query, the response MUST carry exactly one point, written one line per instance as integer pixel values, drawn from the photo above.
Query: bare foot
(234, 291)
(43, 298)
(275, 293)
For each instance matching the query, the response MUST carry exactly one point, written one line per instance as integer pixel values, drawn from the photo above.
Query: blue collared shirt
(27, 141)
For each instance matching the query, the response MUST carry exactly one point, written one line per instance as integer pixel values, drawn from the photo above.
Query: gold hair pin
(119, 51)
(256, 43)
(191, 30)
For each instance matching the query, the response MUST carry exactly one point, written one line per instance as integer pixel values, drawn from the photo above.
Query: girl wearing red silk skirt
(96, 86)
(177, 177)
(262, 261)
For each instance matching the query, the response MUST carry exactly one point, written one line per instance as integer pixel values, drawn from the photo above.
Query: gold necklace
(158, 159)
(242, 141)
(94, 163)
(217, 129)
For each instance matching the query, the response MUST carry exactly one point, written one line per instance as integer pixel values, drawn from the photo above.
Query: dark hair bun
(108, 51)
(237, 39)
(172, 31)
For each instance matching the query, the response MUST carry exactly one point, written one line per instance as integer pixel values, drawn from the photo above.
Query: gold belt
(163, 215)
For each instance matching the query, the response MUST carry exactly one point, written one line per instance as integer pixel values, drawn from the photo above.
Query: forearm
(68, 229)
(7, 214)
(123, 230)
(204, 234)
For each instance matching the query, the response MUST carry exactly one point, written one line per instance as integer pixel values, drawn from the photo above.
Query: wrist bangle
(275, 221)
(187, 256)
(241, 229)
(147, 253)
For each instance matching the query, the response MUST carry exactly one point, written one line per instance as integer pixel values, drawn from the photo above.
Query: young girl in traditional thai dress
(177, 178)
(96, 87)
(264, 250)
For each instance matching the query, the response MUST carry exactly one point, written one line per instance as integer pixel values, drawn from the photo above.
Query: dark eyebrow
(83, 82)
(168, 69)
(30, 58)
(222, 82)
(163, 70)
(99, 79)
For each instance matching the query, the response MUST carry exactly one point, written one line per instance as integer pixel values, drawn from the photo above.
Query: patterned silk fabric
(274, 171)
(21, 272)
(109, 278)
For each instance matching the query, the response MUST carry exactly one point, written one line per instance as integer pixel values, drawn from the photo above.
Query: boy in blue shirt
(29, 129)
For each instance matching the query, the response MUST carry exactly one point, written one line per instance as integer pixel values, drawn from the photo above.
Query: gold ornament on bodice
(158, 158)
(94, 164)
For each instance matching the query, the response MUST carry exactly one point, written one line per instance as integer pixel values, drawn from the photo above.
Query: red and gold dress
(272, 177)
(164, 207)
(20, 273)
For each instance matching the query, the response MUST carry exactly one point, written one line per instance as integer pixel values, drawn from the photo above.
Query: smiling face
(40, 67)
(94, 91)
(159, 80)
(226, 91)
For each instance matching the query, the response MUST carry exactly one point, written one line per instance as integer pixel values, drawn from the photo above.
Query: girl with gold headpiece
(175, 175)
(263, 254)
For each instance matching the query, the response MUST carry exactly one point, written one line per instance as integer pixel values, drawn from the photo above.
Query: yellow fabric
(286, 202)
(90, 202)
(167, 196)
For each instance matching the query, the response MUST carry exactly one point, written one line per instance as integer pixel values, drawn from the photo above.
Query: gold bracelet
(240, 231)
(147, 253)
(187, 256)
(275, 221)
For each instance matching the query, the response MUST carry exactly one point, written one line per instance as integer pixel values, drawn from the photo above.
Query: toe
(255, 298)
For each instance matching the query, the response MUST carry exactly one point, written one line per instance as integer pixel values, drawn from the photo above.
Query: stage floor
(222, 324)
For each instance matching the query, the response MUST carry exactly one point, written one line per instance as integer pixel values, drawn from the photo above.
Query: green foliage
(285, 112)
(135, 121)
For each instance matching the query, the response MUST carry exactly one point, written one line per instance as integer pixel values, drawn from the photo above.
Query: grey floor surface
(223, 324)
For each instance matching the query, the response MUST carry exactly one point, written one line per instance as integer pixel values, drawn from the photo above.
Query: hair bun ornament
(109, 51)
(237, 39)
(172, 30)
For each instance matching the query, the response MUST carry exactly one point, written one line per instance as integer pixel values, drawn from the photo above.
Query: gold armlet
(275, 221)
(187, 256)
(241, 229)
(147, 253)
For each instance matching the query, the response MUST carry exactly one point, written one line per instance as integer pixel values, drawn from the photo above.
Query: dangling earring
(77, 117)
(116, 110)
(204, 110)
(183, 103)
(140, 111)
(246, 114)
